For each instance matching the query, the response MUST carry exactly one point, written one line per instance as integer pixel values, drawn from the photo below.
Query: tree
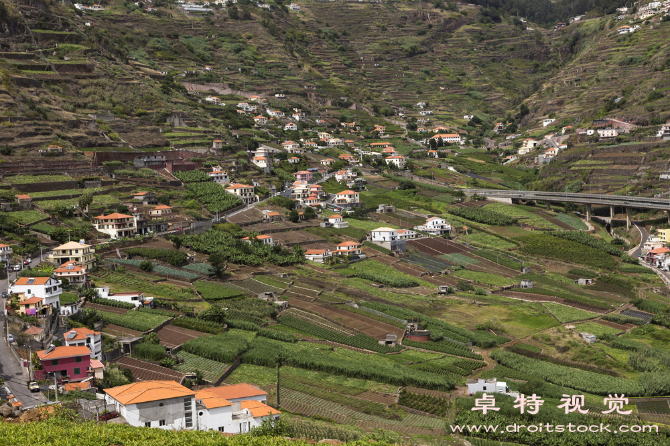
(294, 216)
(177, 242)
(152, 338)
(309, 213)
(85, 201)
(406, 184)
(218, 262)
(146, 265)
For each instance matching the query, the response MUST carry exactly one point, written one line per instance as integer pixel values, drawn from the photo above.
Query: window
(77, 371)
(78, 358)
(188, 418)
(147, 424)
(221, 428)
(54, 362)
(161, 422)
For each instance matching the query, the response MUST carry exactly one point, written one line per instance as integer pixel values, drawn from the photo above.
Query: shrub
(146, 265)
(149, 352)
(174, 258)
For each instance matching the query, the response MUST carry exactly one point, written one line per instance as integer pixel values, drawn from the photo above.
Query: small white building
(489, 386)
(345, 175)
(219, 176)
(347, 197)
(261, 162)
(468, 117)
(407, 234)
(608, 133)
(5, 253)
(388, 238)
(264, 239)
(397, 160)
(293, 160)
(546, 122)
(448, 138)
(74, 273)
(291, 146)
(85, 337)
(435, 226)
(348, 248)
(260, 120)
(244, 191)
(335, 221)
(291, 126)
(136, 298)
(318, 255)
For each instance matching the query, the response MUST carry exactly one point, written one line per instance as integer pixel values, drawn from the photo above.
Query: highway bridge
(588, 200)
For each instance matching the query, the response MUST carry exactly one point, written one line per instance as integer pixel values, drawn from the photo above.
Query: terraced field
(211, 370)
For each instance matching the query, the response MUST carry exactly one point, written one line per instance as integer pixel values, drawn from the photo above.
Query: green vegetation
(211, 291)
(197, 325)
(568, 314)
(174, 258)
(485, 216)
(213, 196)
(621, 319)
(566, 250)
(211, 370)
(134, 320)
(424, 403)
(486, 278)
(192, 176)
(113, 303)
(222, 348)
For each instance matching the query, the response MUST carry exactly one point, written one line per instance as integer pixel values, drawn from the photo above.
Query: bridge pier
(628, 221)
(668, 214)
(548, 203)
(611, 212)
(588, 212)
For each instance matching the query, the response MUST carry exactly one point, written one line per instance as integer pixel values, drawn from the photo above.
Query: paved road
(645, 236)
(10, 369)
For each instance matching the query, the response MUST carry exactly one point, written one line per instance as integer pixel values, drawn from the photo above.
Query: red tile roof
(64, 352)
(35, 280)
(114, 216)
(236, 391)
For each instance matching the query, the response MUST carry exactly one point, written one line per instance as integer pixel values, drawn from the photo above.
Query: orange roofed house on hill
(116, 225)
(168, 405)
(64, 363)
(30, 289)
(244, 191)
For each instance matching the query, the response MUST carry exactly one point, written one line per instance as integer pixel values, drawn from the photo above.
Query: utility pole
(55, 387)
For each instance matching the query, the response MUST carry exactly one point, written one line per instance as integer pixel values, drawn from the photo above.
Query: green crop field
(488, 241)
(568, 314)
(487, 278)
(210, 369)
(459, 259)
(597, 329)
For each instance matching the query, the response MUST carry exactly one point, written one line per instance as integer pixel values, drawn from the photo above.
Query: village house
(45, 288)
(407, 234)
(147, 198)
(73, 272)
(335, 221)
(528, 145)
(67, 363)
(311, 200)
(260, 120)
(388, 238)
(84, 337)
(160, 212)
(219, 176)
(380, 145)
(664, 132)
(389, 151)
(291, 126)
(396, 160)
(264, 239)
(327, 162)
(345, 175)
(291, 146)
(275, 113)
(435, 226)
(244, 191)
(489, 386)
(448, 138)
(299, 116)
(136, 298)
(294, 7)
(317, 190)
(78, 252)
(51, 151)
(346, 197)
(546, 122)
(116, 225)
(608, 133)
(303, 175)
(293, 160)
(499, 127)
(432, 154)
(213, 100)
(6, 252)
(166, 405)
(300, 190)
(318, 255)
(24, 201)
(261, 162)
(348, 248)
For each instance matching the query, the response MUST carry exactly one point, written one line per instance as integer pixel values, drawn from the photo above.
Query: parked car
(27, 261)
(107, 416)
(17, 267)
(10, 338)
(4, 294)
(33, 386)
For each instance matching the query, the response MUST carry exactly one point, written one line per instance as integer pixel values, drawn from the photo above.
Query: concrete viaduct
(588, 200)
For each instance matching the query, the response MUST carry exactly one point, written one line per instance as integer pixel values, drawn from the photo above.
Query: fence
(228, 371)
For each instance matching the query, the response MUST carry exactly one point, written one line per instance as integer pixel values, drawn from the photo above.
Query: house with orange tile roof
(293, 160)
(348, 248)
(435, 226)
(264, 239)
(77, 252)
(116, 225)
(84, 337)
(219, 176)
(347, 197)
(448, 138)
(432, 154)
(396, 160)
(160, 212)
(73, 272)
(262, 162)
(244, 191)
(260, 120)
(291, 126)
(335, 221)
(269, 216)
(168, 405)
(69, 364)
(46, 288)
(318, 255)
(24, 201)
(136, 298)
(303, 175)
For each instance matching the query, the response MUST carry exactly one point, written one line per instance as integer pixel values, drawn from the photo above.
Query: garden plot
(437, 246)
(427, 262)
(316, 320)
(256, 287)
(116, 330)
(369, 326)
(638, 314)
(211, 370)
(98, 307)
(171, 336)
